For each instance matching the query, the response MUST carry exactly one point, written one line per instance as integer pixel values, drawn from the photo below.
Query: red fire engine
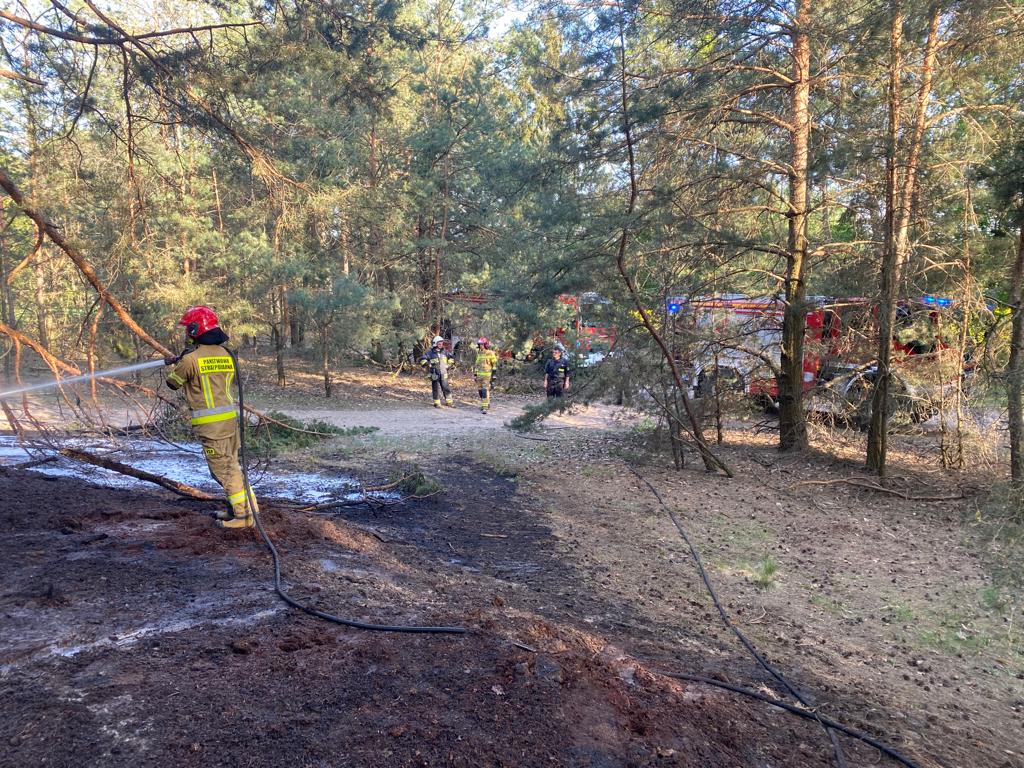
(595, 336)
(735, 341)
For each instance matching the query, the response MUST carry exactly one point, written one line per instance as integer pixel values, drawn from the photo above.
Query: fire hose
(282, 593)
(808, 712)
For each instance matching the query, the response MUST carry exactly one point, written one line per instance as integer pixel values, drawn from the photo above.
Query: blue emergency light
(673, 308)
(936, 301)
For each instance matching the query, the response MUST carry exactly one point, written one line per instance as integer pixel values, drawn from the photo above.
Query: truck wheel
(723, 379)
(902, 407)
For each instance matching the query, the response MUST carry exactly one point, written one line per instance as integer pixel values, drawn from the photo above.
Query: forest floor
(135, 633)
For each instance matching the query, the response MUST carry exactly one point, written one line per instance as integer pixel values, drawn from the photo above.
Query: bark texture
(792, 418)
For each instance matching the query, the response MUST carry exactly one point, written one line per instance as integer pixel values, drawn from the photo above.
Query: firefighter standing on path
(557, 374)
(437, 360)
(205, 371)
(484, 368)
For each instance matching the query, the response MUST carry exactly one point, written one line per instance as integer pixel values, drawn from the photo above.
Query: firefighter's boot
(437, 403)
(238, 522)
(225, 513)
(449, 402)
(242, 511)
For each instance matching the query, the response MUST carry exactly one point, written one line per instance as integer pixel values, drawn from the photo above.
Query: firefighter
(437, 361)
(557, 374)
(484, 368)
(205, 371)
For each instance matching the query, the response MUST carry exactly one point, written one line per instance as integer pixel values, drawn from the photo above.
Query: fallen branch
(859, 483)
(528, 437)
(55, 363)
(35, 462)
(388, 487)
(116, 466)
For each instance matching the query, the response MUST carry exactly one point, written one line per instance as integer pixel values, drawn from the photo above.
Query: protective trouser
(221, 454)
(438, 386)
(556, 387)
(483, 385)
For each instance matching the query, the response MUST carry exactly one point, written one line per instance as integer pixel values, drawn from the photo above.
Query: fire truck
(732, 342)
(591, 326)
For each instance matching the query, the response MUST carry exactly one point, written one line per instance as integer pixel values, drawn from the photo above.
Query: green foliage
(415, 484)
(274, 439)
(533, 415)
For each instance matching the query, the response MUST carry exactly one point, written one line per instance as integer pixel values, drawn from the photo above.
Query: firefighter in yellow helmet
(205, 371)
(484, 368)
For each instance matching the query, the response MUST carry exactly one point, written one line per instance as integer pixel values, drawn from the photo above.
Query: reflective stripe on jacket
(437, 361)
(485, 363)
(206, 374)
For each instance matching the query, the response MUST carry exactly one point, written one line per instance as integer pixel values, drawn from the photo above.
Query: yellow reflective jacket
(485, 363)
(206, 374)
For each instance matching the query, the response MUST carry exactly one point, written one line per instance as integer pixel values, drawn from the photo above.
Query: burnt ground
(136, 633)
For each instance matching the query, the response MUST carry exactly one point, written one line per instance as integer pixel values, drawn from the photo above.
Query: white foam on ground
(185, 465)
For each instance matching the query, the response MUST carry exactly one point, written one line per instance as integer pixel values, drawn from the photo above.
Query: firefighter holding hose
(205, 371)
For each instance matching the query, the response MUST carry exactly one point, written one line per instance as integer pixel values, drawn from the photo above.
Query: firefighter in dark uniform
(437, 361)
(557, 374)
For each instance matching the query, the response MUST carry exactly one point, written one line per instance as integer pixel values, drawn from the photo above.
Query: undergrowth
(763, 572)
(416, 484)
(997, 529)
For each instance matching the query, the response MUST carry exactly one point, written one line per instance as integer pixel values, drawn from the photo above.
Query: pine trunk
(878, 428)
(792, 418)
(1015, 368)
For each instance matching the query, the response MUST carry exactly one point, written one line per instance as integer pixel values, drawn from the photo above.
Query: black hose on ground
(836, 748)
(277, 557)
(804, 713)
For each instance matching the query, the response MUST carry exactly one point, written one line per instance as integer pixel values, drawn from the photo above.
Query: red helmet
(198, 320)
(483, 342)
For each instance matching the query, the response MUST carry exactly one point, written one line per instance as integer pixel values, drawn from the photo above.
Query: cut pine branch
(6, 73)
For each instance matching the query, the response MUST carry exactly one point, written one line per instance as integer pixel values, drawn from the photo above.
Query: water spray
(112, 372)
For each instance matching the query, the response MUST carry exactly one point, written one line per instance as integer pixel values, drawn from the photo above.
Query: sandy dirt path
(405, 420)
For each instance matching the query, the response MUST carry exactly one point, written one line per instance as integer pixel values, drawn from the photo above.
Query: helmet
(437, 340)
(198, 320)
(483, 342)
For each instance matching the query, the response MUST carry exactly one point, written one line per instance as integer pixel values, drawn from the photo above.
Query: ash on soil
(136, 633)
